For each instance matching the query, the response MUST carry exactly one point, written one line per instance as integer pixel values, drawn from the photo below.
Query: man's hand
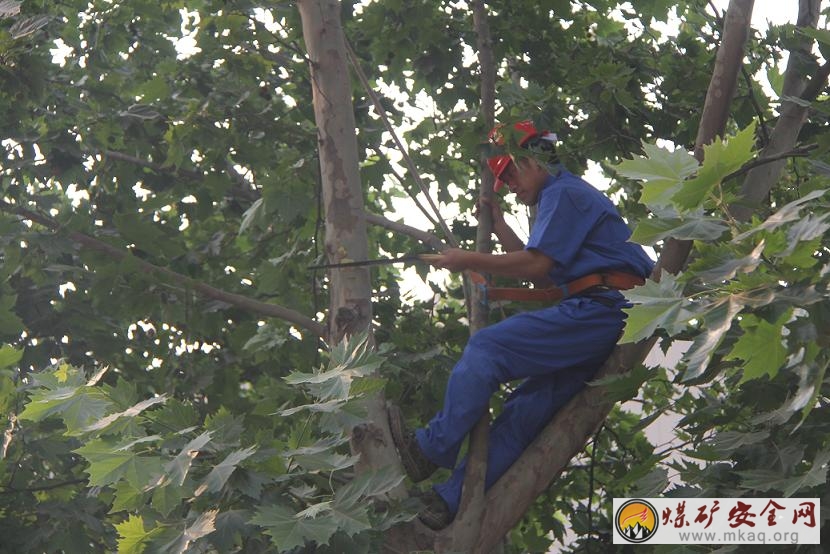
(496, 213)
(510, 242)
(454, 259)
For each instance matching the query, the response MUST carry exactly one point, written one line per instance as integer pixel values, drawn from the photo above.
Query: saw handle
(429, 258)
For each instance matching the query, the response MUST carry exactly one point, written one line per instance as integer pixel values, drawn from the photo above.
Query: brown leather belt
(610, 280)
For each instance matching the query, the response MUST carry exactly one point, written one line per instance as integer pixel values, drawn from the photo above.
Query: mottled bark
(350, 290)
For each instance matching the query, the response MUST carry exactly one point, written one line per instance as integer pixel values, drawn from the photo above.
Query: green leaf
(28, 26)
(727, 442)
(132, 536)
(329, 406)
(254, 216)
(127, 498)
(662, 171)
(720, 159)
(288, 531)
(202, 526)
(111, 461)
(369, 484)
(350, 360)
(167, 498)
(653, 230)
(176, 470)
(811, 377)
(808, 230)
(145, 235)
(723, 265)
(760, 347)
(78, 406)
(624, 386)
(652, 484)
(787, 213)
(763, 480)
(129, 413)
(220, 473)
(656, 305)
(9, 356)
(716, 322)
(325, 461)
(349, 516)
(10, 323)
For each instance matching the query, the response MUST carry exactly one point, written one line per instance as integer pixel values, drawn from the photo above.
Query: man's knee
(479, 363)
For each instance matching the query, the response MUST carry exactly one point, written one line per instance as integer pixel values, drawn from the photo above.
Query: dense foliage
(144, 417)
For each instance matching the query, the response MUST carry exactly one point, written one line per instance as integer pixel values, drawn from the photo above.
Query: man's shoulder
(577, 190)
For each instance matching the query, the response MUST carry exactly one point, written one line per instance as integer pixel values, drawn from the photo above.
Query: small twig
(800, 152)
(50, 486)
(409, 163)
(413, 196)
(591, 486)
(757, 107)
(423, 236)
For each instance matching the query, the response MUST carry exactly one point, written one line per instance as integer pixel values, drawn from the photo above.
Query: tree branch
(236, 300)
(760, 180)
(466, 528)
(573, 425)
(423, 236)
(242, 188)
(412, 195)
(758, 162)
(409, 163)
(50, 486)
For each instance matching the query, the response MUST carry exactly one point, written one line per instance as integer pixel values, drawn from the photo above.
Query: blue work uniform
(556, 350)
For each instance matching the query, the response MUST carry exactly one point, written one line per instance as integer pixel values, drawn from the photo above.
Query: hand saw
(428, 258)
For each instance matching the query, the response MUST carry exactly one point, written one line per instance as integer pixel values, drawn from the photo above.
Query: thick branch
(550, 453)
(466, 528)
(759, 181)
(567, 434)
(237, 300)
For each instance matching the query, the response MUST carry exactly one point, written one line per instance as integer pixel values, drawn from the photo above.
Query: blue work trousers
(555, 350)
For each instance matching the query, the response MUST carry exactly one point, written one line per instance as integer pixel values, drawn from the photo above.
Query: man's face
(525, 180)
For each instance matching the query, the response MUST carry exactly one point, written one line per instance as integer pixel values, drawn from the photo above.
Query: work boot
(414, 462)
(435, 514)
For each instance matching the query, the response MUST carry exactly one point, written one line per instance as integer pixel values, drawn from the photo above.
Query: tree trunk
(350, 308)
(462, 535)
(567, 434)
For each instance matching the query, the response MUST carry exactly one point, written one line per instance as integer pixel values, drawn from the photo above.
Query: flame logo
(636, 521)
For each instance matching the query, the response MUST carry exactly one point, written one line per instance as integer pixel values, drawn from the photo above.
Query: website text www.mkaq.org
(739, 536)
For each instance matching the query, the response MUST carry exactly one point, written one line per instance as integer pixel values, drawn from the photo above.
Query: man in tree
(578, 243)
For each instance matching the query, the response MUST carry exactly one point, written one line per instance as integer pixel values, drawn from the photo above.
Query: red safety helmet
(500, 162)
